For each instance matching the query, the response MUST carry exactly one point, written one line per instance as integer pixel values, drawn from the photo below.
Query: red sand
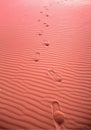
(45, 65)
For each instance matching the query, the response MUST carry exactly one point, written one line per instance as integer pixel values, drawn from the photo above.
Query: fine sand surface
(45, 65)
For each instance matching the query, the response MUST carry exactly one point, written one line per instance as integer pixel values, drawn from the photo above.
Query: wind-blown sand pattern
(45, 72)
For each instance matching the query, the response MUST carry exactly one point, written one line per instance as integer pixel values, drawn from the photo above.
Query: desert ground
(45, 65)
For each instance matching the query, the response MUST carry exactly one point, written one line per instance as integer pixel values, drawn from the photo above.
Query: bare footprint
(58, 116)
(55, 105)
(37, 56)
(53, 75)
(46, 43)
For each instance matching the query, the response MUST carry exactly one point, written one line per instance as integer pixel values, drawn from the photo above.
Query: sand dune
(45, 65)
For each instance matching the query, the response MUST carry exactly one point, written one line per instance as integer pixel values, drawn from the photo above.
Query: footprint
(57, 115)
(47, 15)
(41, 12)
(37, 57)
(46, 43)
(54, 75)
(55, 105)
(40, 34)
(46, 7)
(39, 20)
(47, 25)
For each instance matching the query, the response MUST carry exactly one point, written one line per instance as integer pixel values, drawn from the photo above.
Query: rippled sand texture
(45, 65)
